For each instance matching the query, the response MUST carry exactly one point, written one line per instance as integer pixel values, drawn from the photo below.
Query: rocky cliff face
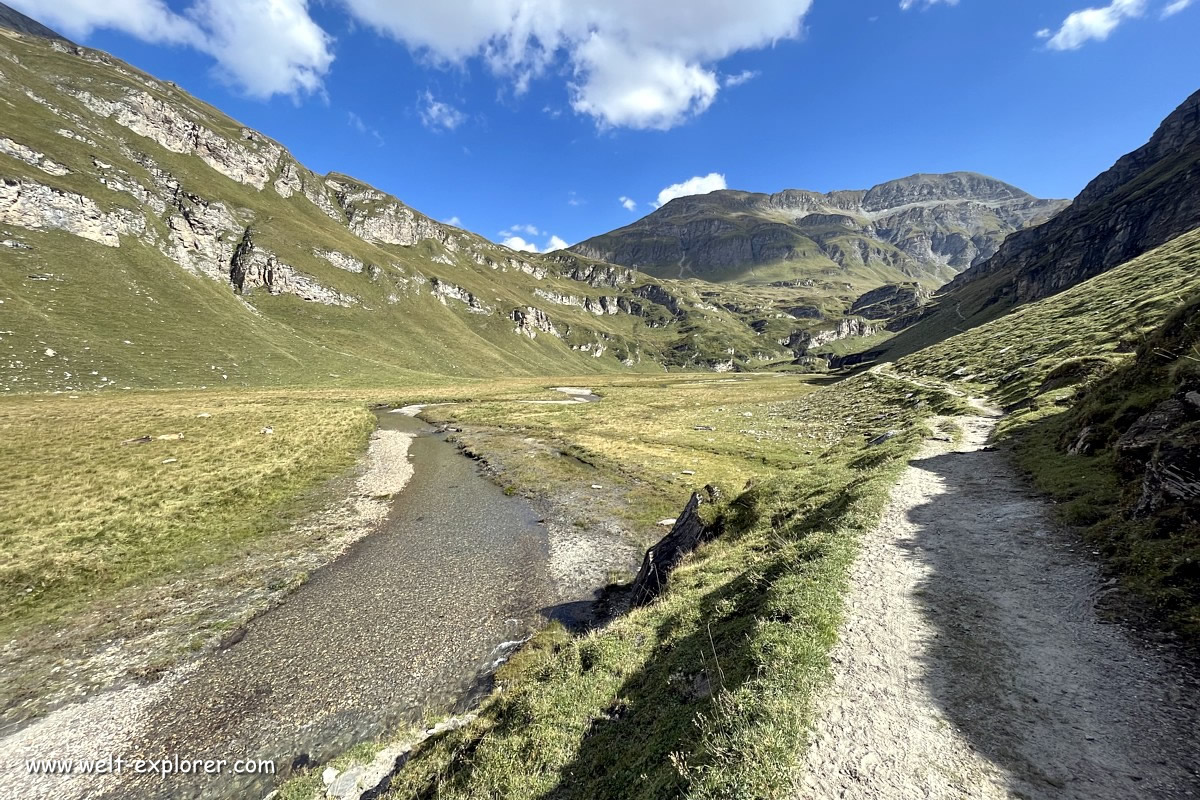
(891, 302)
(1146, 199)
(926, 227)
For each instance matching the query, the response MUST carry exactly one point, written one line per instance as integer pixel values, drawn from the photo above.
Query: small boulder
(346, 786)
(329, 775)
(1085, 443)
(883, 437)
(1136, 445)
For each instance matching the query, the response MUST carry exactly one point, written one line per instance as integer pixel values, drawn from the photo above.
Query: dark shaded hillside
(1146, 199)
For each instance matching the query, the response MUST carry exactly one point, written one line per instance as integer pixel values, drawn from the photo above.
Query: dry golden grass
(82, 515)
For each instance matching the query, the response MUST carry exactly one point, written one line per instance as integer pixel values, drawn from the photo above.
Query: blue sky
(551, 118)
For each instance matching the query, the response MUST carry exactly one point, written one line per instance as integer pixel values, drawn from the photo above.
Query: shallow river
(403, 622)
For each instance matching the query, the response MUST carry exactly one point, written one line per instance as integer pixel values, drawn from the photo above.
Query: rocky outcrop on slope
(251, 161)
(531, 320)
(253, 267)
(593, 305)
(32, 205)
(376, 217)
(801, 342)
(340, 260)
(659, 296)
(31, 157)
(890, 300)
(445, 291)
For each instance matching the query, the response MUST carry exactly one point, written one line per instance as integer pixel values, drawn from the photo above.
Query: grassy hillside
(135, 213)
(1101, 355)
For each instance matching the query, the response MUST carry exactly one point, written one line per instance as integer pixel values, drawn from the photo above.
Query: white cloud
(435, 114)
(265, 47)
(356, 122)
(531, 230)
(1091, 24)
(262, 47)
(629, 203)
(1174, 8)
(510, 238)
(905, 5)
(455, 221)
(701, 184)
(149, 20)
(518, 243)
(730, 81)
(633, 63)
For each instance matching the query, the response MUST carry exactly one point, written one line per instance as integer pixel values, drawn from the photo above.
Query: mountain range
(150, 240)
(926, 228)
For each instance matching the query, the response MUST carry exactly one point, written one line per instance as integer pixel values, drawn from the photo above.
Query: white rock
(329, 775)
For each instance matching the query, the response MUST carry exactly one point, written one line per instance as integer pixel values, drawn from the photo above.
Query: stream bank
(400, 626)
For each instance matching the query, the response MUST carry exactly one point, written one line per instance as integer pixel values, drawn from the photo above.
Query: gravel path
(972, 664)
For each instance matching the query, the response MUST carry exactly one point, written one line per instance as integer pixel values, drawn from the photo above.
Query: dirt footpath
(972, 663)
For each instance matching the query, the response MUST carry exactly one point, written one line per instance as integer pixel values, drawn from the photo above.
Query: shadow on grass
(630, 748)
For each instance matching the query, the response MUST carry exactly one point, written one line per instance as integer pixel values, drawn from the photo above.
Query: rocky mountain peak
(1147, 198)
(923, 227)
(951, 187)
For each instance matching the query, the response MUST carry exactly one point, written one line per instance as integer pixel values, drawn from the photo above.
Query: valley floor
(972, 664)
(970, 660)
